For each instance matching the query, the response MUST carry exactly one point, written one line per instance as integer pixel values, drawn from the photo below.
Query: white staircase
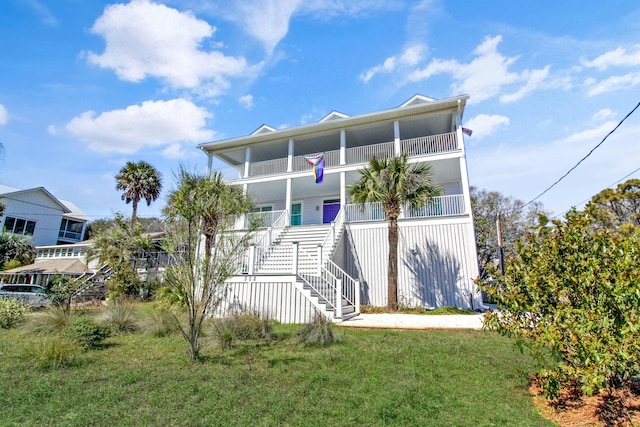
(306, 251)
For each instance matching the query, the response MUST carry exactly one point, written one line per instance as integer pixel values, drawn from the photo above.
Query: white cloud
(4, 115)
(612, 84)
(533, 79)
(42, 12)
(484, 125)
(615, 58)
(410, 57)
(175, 151)
(268, 20)
(246, 101)
(485, 76)
(588, 136)
(152, 124)
(605, 113)
(144, 39)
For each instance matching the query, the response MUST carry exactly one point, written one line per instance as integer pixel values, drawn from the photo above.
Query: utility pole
(500, 250)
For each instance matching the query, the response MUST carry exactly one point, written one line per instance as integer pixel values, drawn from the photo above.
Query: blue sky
(86, 85)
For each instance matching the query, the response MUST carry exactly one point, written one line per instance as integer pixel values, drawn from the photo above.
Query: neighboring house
(318, 252)
(41, 217)
(71, 260)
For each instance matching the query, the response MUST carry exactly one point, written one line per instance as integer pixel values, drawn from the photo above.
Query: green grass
(374, 377)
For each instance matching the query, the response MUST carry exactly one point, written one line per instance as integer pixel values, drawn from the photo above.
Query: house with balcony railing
(315, 251)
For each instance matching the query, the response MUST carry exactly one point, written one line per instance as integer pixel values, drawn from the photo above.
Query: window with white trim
(19, 226)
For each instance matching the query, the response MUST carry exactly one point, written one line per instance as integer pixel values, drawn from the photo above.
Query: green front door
(296, 214)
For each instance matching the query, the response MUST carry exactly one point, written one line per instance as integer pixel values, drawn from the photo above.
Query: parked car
(33, 295)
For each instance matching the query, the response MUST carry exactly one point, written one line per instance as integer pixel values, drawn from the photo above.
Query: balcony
(422, 146)
(438, 207)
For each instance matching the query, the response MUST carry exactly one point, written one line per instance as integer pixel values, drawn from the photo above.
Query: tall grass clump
(320, 332)
(241, 326)
(12, 312)
(161, 322)
(50, 321)
(51, 352)
(120, 317)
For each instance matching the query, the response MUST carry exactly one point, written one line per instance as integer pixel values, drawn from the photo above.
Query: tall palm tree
(138, 181)
(394, 183)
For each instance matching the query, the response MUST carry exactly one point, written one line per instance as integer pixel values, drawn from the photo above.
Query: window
(19, 226)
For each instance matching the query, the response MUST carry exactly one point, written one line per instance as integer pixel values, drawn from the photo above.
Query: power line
(583, 159)
(609, 186)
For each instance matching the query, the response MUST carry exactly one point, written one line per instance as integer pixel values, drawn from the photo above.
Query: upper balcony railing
(422, 146)
(438, 206)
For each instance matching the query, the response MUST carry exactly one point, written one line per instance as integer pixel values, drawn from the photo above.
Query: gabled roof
(416, 100)
(334, 115)
(16, 192)
(263, 129)
(75, 211)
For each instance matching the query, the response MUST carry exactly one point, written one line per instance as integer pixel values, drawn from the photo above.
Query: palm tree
(139, 181)
(394, 183)
(15, 249)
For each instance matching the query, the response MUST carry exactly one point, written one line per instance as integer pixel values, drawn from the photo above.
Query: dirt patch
(621, 407)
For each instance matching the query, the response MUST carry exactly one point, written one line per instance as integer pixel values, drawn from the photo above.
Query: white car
(34, 295)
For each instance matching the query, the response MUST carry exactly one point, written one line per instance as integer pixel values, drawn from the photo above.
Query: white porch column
(343, 147)
(294, 267)
(343, 189)
(290, 157)
(242, 221)
(209, 164)
(247, 160)
(396, 137)
(339, 297)
(465, 186)
(288, 201)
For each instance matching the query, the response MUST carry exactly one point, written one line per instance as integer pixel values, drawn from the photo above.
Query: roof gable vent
(263, 129)
(334, 115)
(416, 100)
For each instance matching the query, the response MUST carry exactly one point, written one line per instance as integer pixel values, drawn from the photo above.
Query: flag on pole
(318, 166)
(467, 132)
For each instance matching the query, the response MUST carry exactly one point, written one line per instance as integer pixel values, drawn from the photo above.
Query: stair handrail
(329, 297)
(266, 240)
(336, 226)
(350, 286)
(87, 282)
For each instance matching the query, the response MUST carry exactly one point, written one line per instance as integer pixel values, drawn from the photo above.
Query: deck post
(339, 297)
(357, 295)
(294, 268)
(319, 260)
(252, 259)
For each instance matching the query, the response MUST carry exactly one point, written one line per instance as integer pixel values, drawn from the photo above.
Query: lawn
(374, 377)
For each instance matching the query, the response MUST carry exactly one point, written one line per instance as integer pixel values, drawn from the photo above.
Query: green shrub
(320, 332)
(51, 352)
(120, 317)
(573, 293)
(87, 333)
(11, 312)
(49, 321)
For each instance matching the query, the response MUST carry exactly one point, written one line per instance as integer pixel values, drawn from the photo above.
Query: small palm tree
(394, 183)
(138, 181)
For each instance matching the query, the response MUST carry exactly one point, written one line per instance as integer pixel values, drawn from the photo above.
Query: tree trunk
(134, 214)
(392, 277)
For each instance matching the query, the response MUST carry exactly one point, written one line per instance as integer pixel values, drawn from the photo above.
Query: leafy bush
(320, 332)
(573, 293)
(11, 312)
(51, 352)
(120, 317)
(241, 326)
(87, 333)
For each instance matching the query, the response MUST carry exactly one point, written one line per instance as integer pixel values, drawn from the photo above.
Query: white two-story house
(316, 251)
